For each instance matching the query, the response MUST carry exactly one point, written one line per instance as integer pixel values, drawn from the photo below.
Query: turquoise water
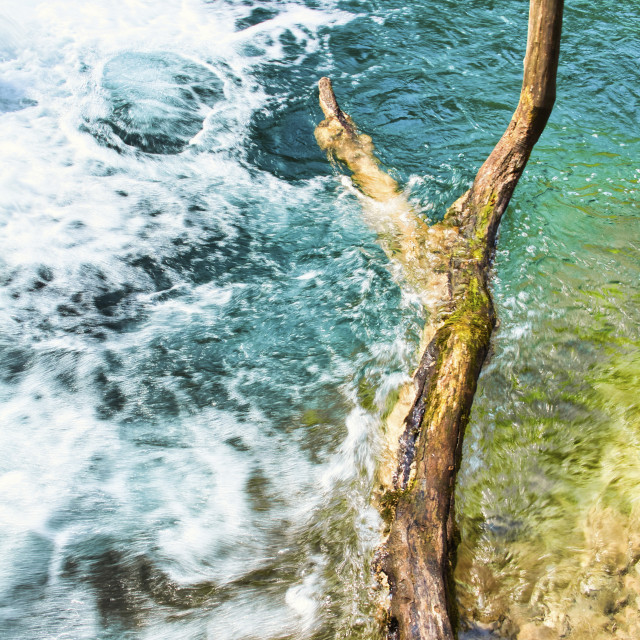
(199, 332)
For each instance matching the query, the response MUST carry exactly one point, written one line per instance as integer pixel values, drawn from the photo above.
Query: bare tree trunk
(419, 554)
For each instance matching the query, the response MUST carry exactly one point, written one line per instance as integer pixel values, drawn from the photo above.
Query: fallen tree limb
(452, 259)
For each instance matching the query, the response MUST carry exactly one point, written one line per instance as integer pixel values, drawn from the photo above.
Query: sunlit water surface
(199, 333)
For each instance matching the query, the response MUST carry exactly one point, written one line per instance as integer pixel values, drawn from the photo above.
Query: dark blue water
(199, 332)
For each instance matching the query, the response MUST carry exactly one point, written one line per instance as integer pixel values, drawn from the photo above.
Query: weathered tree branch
(452, 259)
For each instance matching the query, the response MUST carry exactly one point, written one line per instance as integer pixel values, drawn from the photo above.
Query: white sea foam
(206, 491)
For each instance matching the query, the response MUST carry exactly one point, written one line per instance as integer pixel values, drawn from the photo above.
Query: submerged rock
(158, 101)
(12, 98)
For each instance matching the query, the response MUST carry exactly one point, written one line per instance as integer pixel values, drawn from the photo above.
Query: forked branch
(454, 256)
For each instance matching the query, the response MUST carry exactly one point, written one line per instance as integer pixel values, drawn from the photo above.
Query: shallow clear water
(198, 330)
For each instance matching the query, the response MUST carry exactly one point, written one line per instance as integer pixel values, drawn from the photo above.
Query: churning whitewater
(186, 329)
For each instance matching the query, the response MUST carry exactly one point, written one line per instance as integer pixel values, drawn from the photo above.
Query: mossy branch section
(418, 558)
(419, 553)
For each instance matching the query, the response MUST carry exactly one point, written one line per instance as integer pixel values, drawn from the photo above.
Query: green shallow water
(548, 494)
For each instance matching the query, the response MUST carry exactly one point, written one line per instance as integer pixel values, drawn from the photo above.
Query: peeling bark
(451, 261)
